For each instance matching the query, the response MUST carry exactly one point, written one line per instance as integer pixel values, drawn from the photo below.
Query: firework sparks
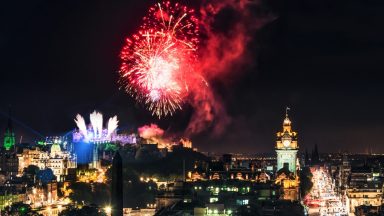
(158, 61)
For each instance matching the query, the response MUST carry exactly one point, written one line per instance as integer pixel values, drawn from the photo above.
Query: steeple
(286, 111)
(306, 158)
(287, 122)
(9, 136)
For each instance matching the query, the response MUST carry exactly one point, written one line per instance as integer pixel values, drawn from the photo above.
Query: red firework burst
(157, 62)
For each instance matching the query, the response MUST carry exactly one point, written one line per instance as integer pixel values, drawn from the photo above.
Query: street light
(108, 210)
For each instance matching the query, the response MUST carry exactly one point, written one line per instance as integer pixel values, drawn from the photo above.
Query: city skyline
(192, 107)
(58, 62)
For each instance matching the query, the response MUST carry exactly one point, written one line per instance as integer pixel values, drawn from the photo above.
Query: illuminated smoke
(209, 112)
(221, 55)
(168, 62)
(97, 123)
(95, 131)
(112, 125)
(150, 132)
(153, 134)
(187, 143)
(80, 122)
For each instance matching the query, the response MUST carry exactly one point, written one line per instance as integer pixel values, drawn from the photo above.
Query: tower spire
(287, 122)
(117, 185)
(9, 136)
(286, 111)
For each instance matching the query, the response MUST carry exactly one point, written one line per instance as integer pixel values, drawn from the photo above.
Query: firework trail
(158, 61)
(164, 65)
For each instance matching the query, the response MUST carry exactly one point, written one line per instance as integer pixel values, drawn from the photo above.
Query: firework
(157, 62)
(113, 123)
(95, 131)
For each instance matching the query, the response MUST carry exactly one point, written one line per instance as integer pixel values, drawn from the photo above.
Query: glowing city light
(108, 210)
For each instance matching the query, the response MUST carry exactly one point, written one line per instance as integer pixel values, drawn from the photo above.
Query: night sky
(322, 58)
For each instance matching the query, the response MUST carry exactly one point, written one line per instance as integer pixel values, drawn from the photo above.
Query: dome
(55, 148)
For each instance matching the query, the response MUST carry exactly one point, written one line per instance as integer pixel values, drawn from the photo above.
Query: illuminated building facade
(286, 147)
(287, 165)
(9, 164)
(9, 136)
(56, 159)
(187, 143)
(60, 161)
(365, 188)
(41, 195)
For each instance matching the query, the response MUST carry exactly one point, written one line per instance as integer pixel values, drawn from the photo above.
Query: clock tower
(286, 147)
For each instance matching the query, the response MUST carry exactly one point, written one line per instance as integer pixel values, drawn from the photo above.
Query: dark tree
(95, 193)
(46, 175)
(315, 155)
(81, 192)
(306, 158)
(305, 181)
(31, 170)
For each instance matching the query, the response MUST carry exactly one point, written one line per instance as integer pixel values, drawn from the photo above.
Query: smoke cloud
(227, 28)
(153, 134)
(150, 131)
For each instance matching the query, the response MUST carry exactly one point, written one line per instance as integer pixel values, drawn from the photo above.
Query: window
(213, 199)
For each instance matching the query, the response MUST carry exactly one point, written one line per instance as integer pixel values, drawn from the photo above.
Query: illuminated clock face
(286, 142)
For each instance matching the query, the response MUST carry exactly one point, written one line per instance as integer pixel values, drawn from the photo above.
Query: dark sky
(322, 58)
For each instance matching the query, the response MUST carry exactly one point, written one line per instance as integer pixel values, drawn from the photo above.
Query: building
(9, 136)
(60, 161)
(342, 174)
(87, 139)
(215, 197)
(364, 188)
(42, 194)
(287, 165)
(187, 143)
(9, 164)
(9, 195)
(286, 147)
(56, 159)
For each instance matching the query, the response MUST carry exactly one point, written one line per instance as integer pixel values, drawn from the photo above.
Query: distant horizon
(30, 139)
(323, 65)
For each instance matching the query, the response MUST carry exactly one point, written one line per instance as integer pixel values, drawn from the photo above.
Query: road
(322, 200)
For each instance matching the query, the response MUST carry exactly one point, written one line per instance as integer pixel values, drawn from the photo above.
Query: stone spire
(117, 186)
(9, 136)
